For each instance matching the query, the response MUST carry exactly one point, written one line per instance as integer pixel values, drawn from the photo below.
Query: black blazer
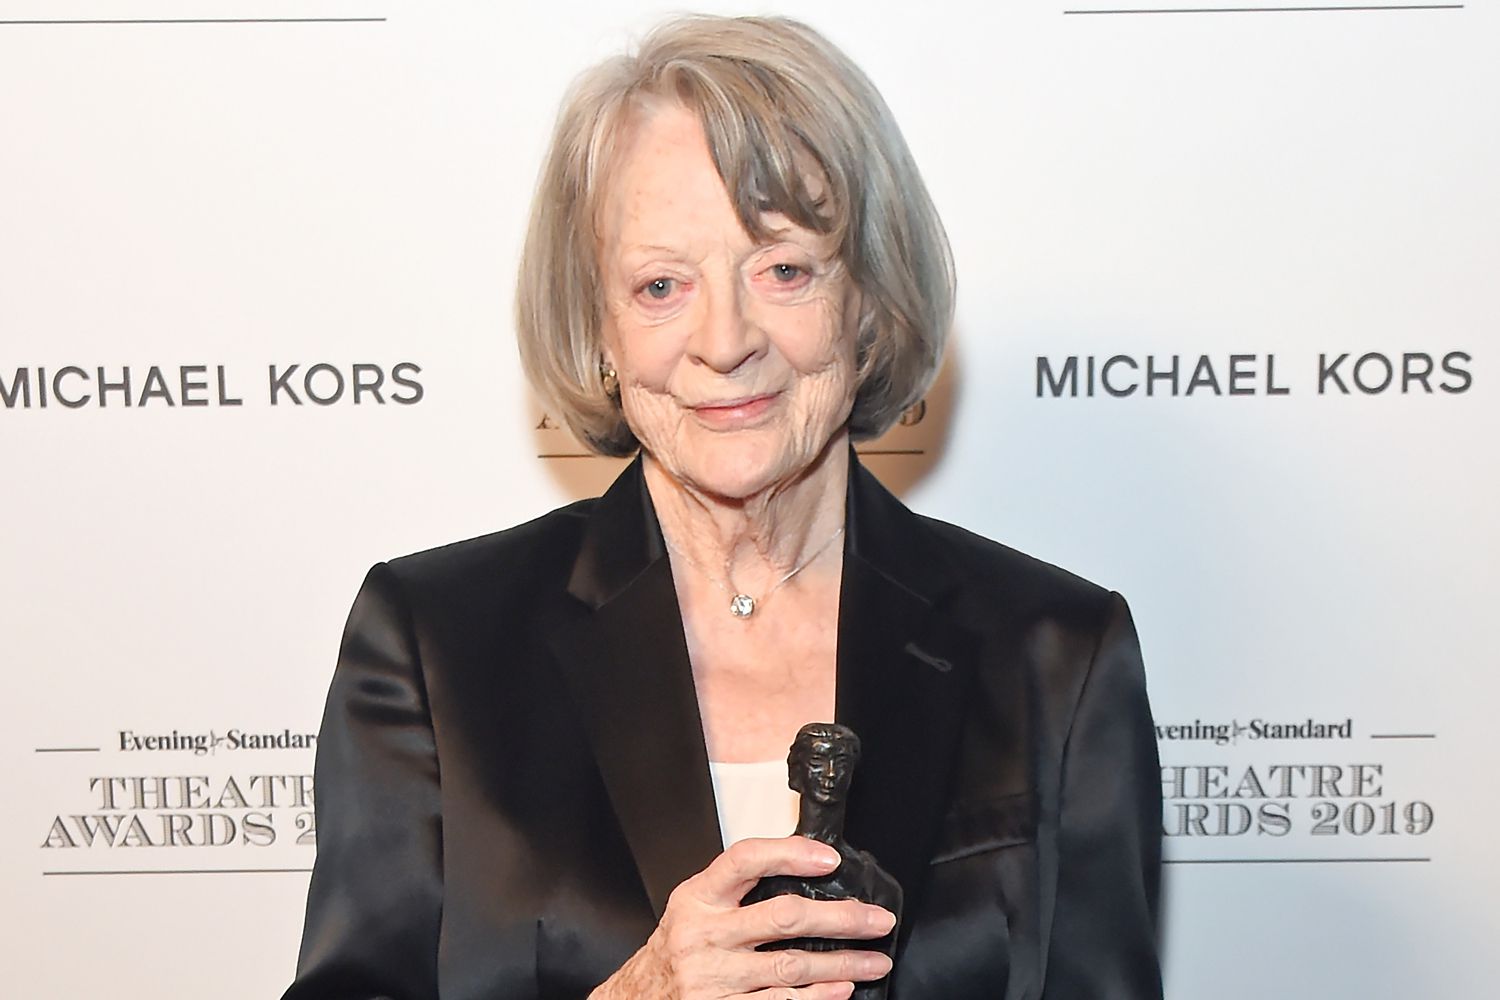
(511, 774)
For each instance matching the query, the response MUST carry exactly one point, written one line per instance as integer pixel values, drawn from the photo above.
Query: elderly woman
(552, 763)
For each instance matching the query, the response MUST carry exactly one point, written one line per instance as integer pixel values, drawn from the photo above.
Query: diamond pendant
(742, 606)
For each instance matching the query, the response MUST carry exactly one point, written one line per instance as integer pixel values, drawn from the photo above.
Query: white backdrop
(210, 204)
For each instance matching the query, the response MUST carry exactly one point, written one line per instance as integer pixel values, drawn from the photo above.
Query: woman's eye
(786, 272)
(660, 288)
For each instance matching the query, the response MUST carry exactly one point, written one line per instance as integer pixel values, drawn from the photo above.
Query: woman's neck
(753, 541)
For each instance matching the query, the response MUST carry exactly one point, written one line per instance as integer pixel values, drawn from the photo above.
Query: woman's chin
(737, 470)
(731, 481)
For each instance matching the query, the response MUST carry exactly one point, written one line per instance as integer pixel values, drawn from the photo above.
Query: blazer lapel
(626, 659)
(904, 671)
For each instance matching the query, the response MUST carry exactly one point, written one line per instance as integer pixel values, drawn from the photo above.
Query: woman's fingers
(732, 874)
(793, 968)
(793, 917)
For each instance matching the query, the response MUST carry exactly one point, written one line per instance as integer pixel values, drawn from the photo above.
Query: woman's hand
(704, 946)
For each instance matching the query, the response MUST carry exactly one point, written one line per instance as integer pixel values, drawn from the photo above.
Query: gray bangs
(763, 134)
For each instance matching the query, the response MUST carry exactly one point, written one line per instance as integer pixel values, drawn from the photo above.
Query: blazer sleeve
(1103, 944)
(375, 899)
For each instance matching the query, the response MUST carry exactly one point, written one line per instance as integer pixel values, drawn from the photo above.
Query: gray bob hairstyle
(774, 97)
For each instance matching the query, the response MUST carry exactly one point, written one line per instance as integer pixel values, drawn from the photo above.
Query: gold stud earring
(610, 380)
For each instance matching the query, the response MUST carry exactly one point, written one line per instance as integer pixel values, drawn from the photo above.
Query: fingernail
(881, 920)
(828, 857)
(877, 965)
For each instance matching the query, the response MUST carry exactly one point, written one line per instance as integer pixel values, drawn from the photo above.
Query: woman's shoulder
(988, 584)
(521, 555)
(996, 575)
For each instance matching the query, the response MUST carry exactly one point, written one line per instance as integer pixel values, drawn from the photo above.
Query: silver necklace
(741, 604)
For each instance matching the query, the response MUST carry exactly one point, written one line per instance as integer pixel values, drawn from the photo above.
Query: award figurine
(820, 765)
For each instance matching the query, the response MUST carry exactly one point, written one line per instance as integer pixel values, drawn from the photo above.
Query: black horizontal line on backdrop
(1274, 10)
(1403, 736)
(203, 20)
(194, 871)
(67, 749)
(1294, 861)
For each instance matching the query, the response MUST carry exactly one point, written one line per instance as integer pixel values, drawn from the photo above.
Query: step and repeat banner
(1227, 342)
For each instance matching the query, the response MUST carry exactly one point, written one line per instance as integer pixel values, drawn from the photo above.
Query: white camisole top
(753, 800)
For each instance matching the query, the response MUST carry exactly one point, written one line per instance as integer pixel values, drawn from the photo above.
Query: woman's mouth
(733, 414)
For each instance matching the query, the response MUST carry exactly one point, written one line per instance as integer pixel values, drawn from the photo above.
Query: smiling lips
(732, 414)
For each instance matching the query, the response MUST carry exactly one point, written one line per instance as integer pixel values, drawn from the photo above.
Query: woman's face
(735, 358)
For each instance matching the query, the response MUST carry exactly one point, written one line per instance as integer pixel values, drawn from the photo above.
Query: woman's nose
(726, 336)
